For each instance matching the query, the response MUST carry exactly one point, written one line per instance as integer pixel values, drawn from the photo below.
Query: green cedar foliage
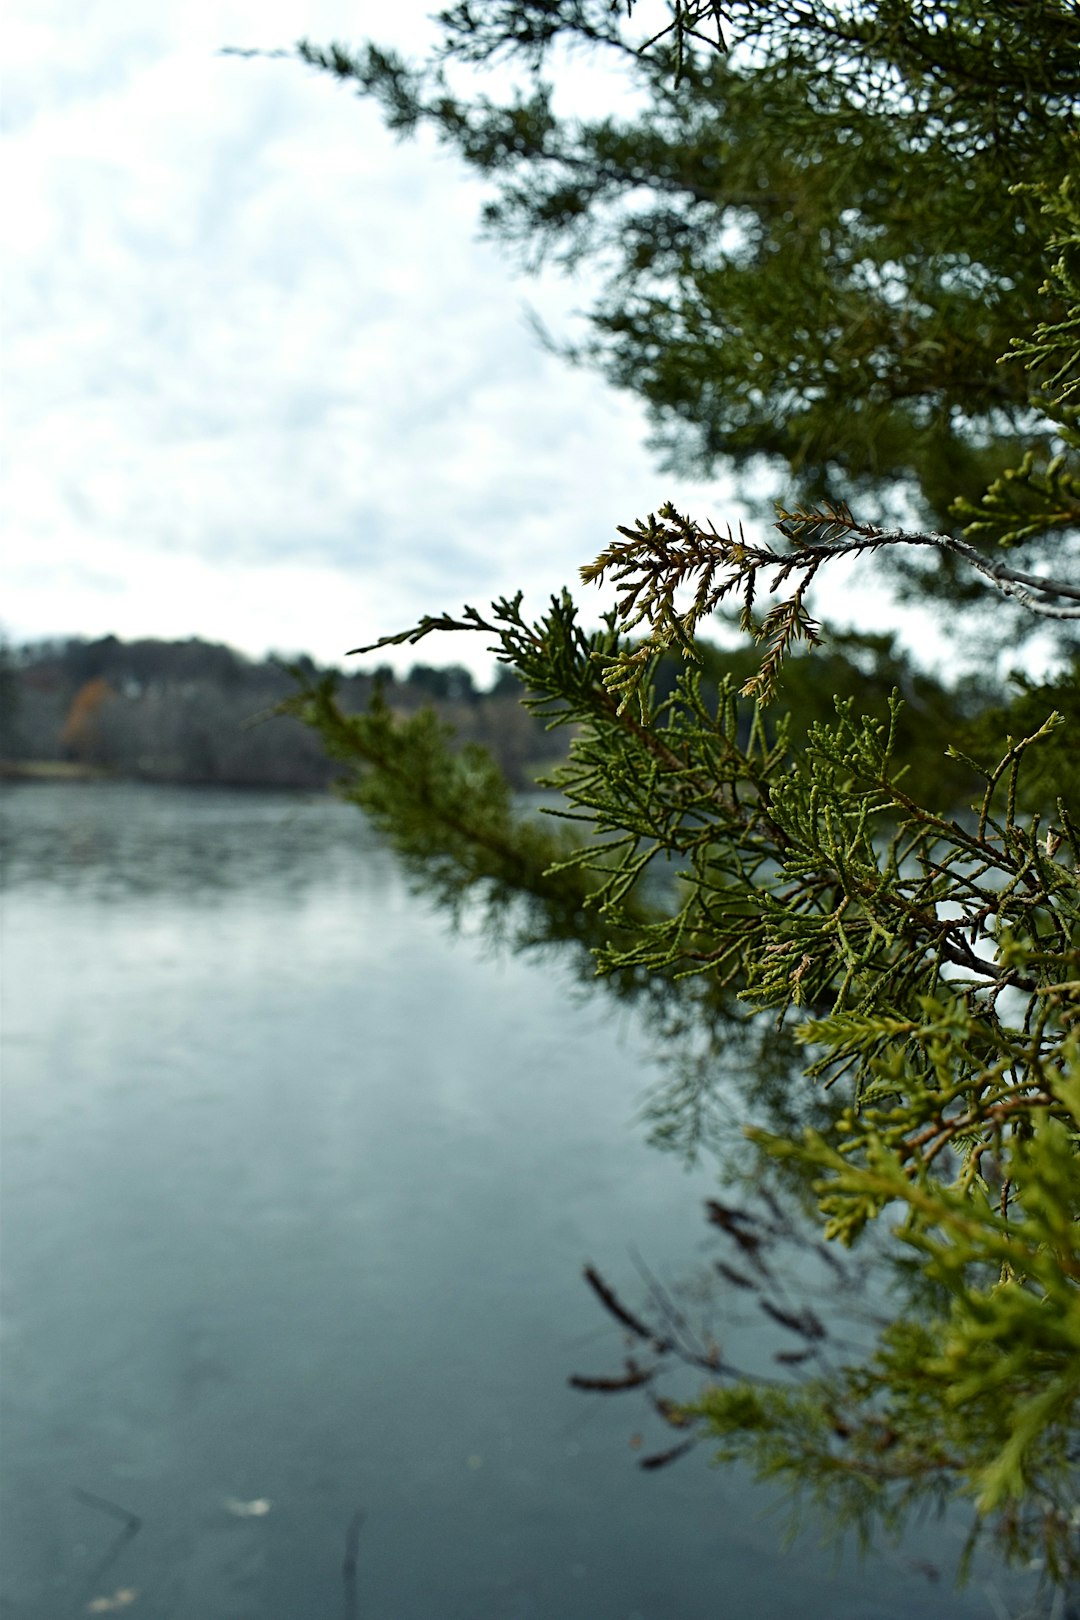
(747, 874)
(927, 964)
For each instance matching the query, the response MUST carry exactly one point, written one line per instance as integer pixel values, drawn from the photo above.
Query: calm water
(297, 1190)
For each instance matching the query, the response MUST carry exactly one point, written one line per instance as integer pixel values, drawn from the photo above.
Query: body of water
(297, 1191)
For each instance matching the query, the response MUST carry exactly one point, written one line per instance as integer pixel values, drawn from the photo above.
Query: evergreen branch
(668, 552)
(428, 625)
(1056, 344)
(925, 963)
(1024, 502)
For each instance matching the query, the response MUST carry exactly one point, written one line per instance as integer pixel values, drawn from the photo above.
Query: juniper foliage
(928, 965)
(923, 960)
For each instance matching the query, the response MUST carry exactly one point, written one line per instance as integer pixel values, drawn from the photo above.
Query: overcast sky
(262, 382)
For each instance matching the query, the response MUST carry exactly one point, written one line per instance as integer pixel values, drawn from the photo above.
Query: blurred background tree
(810, 250)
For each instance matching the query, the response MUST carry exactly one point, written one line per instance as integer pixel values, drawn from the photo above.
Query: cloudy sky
(262, 382)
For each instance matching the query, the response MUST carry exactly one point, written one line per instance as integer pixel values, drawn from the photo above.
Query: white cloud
(258, 366)
(262, 382)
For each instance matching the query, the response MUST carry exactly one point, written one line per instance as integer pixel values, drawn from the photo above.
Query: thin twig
(132, 1524)
(348, 1568)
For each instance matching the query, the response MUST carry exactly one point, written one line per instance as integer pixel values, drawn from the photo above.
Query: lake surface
(297, 1190)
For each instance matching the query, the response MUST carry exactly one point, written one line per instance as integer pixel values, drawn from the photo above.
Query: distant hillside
(194, 711)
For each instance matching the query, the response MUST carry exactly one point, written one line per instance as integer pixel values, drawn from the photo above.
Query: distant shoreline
(200, 714)
(53, 770)
(71, 773)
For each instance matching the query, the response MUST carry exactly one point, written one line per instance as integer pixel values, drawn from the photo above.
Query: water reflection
(296, 1196)
(118, 838)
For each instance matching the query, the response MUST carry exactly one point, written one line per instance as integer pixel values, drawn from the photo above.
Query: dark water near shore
(296, 1195)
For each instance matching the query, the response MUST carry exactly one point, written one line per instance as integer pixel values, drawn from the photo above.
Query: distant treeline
(194, 711)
